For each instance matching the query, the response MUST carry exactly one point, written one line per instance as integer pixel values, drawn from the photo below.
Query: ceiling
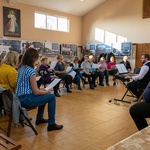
(75, 7)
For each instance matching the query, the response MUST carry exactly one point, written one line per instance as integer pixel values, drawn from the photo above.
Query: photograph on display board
(8, 45)
(69, 50)
(30, 44)
(124, 49)
(74, 49)
(51, 49)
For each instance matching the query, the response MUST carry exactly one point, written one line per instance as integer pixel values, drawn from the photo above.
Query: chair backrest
(137, 70)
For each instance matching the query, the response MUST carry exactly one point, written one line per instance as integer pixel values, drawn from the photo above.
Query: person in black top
(140, 111)
(126, 63)
(60, 72)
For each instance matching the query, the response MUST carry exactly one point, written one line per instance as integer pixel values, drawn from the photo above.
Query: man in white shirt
(141, 80)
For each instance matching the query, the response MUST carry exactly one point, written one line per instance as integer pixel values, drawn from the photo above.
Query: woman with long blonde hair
(8, 73)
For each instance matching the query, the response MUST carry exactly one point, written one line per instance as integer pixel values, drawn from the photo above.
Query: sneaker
(41, 121)
(135, 100)
(54, 126)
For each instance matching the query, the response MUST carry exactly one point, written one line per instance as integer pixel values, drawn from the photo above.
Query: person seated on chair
(30, 95)
(94, 70)
(103, 71)
(111, 66)
(8, 73)
(87, 71)
(46, 75)
(140, 111)
(60, 71)
(141, 80)
(78, 76)
(126, 63)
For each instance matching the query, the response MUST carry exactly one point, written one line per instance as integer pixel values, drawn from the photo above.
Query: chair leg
(140, 98)
(9, 125)
(28, 123)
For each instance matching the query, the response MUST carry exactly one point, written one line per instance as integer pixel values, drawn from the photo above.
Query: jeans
(139, 112)
(40, 101)
(78, 76)
(101, 77)
(134, 86)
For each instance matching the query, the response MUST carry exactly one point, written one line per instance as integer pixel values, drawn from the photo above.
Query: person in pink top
(112, 68)
(111, 63)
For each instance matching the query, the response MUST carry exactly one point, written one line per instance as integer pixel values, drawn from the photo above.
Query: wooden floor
(90, 121)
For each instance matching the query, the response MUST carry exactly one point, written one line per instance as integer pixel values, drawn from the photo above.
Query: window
(40, 21)
(99, 35)
(62, 24)
(110, 38)
(51, 22)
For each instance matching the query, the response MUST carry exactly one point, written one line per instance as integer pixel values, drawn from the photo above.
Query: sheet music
(72, 73)
(121, 68)
(95, 65)
(38, 78)
(53, 64)
(35, 67)
(68, 69)
(52, 84)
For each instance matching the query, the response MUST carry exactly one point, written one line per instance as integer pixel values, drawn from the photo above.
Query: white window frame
(46, 25)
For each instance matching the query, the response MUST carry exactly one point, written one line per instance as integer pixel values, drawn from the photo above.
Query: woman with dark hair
(30, 95)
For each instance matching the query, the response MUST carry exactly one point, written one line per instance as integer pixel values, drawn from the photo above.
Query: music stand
(122, 73)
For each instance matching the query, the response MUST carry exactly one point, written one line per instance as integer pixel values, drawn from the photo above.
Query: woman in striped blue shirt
(30, 95)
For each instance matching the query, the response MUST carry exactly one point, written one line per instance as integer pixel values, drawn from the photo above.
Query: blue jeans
(78, 76)
(106, 75)
(40, 101)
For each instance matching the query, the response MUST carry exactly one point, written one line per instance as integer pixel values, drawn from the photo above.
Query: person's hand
(49, 69)
(43, 89)
(49, 91)
(55, 76)
(64, 71)
(129, 70)
(127, 77)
